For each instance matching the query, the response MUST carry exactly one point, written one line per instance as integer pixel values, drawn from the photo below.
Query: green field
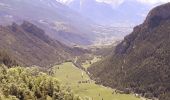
(70, 75)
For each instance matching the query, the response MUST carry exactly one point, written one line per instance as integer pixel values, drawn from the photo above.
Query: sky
(118, 2)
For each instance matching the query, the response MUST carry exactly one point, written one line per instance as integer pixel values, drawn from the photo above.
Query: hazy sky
(118, 2)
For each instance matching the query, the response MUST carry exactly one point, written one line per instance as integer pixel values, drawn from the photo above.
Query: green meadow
(79, 82)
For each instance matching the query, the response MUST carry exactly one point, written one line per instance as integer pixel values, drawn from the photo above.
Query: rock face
(141, 61)
(29, 45)
(157, 15)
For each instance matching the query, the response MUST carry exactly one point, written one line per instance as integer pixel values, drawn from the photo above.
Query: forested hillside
(29, 45)
(140, 63)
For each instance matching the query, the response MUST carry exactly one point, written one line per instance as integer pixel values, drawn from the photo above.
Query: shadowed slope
(141, 60)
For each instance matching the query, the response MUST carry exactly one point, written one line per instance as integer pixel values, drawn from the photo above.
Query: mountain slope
(6, 59)
(140, 62)
(29, 45)
(59, 22)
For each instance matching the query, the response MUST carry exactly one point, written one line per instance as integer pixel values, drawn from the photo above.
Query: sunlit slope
(81, 84)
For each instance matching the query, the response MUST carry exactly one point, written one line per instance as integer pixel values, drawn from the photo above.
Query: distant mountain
(59, 21)
(128, 13)
(140, 63)
(29, 45)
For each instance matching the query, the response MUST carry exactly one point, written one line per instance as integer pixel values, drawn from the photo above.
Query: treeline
(19, 83)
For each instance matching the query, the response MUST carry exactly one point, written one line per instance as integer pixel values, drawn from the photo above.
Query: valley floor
(79, 82)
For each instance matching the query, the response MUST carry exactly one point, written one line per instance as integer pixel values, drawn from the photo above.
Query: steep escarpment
(28, 45)
(140, 62)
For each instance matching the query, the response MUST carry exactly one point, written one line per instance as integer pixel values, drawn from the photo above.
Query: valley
(84, 50)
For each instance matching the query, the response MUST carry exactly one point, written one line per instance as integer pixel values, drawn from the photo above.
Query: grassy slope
(71, 75)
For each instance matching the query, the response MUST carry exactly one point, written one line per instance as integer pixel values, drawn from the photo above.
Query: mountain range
(129, 12)
(59, 21)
